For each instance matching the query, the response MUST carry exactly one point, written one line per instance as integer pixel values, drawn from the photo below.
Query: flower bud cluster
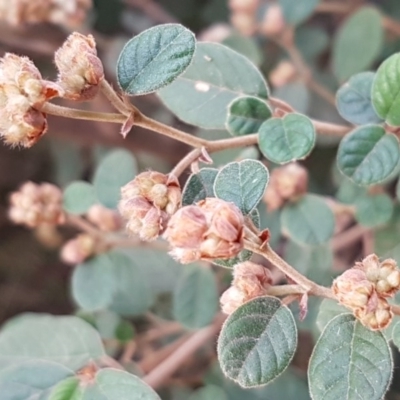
(210, 229)
(33, 205)
(250, 280)
(105, 219)
(147, 203)
(365, 288)
(69, 13)
(243, 15)
(287, 183)
(79, 249)
(23, 92)
(80, 70)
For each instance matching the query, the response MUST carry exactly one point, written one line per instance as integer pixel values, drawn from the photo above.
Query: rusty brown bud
(79, 249)
(212, 228)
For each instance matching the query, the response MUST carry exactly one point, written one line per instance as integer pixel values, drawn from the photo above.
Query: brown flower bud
(105, 219)
(287, 183)
(69, 13)
(273, 23)
(244, 6)
(212, 228)
(148, 201)
(34, 204)
(282, 74)
(384, 275)
(244, 22)
(22, 93)
(80, 70)
(79, 249)
(250, 280)
(377, 316)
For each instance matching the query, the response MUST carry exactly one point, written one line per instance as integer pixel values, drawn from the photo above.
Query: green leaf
(246, 46)
(354, 100)
(93, 283)
(257, 342)
(385, 90)
(119, 385)
(155, 58)
(216, 76)
(199, 186)
(78, 197)
(368, 155)
(246, 115)
(69, 341)
(209, 392)
(308, 221)
(286, 139)
(374, 210)
(349, 362)
(296, 12)
(125, 331)
(348, 192)
(132, 294)
(357, 43)
(319, 38)
(115, 170)
(242, 183)
(195, 298)
(396, 335)
(31, 380)
(328, 310)
(66, 389)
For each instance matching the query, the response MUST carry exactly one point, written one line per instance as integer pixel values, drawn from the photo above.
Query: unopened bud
(244, 6)
(377, 317)
(212, 228)
(148, 201)
(283, 73)
(80, 70)
(273, 23)
(244, 22)
(105, 219)
(287, 183)
(77, 250)
(34, 204)
(231, 300)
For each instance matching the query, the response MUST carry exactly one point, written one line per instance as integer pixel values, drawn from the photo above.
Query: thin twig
(186, 162)
(285, 290)
(348, 237)
(114, 98)
(168, 367)
(74, 113)
(84, 225)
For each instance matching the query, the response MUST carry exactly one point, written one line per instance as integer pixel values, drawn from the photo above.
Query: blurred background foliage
(336, 39)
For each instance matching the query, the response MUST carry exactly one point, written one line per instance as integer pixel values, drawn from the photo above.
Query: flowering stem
(114, 98)
(185, 162)
(285, 290)
(307, 285)
(73, 113)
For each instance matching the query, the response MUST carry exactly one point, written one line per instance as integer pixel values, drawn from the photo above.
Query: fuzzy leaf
(199, 186)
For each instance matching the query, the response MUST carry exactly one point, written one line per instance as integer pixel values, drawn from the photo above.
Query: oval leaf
(69, 341)
(357, 43)
(242, 183)
(114, 171)
(216, 76)
(78, 197)
(368, 155)
(328, 310)
(246, 115)
(349, 362)
(155, 58)
(195, 298)
(374, 210)
(132, 294)
(386, 89)
(31, 380)
(354, 100)
(308, 221)
(93, 283)
(295, 12)
(286, 139)
(199, 186)
(257, 342)
(120, 385)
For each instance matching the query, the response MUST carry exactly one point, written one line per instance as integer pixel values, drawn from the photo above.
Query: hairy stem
(114, 98)
(73, 113)
(186, 162)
